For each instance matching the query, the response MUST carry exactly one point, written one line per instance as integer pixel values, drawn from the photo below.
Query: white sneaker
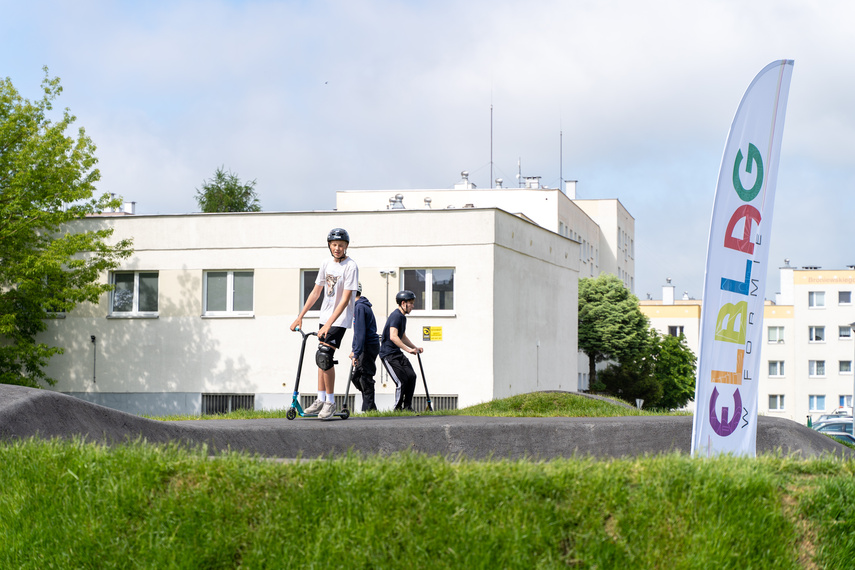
(315, 407)
(327, 412)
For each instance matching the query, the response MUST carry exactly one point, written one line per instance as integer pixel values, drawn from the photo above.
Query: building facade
(604, 229)
(202, 309)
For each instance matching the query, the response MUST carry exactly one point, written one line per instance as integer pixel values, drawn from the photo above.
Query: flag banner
(735, 276)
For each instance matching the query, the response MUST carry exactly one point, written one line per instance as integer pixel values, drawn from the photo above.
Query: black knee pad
(324, 357)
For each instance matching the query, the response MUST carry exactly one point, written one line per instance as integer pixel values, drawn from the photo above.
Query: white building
(201, 312)
(807, 356)
(604, 229)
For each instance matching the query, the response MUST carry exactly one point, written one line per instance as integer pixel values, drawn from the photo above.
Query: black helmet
(338, 234)
(405, 295)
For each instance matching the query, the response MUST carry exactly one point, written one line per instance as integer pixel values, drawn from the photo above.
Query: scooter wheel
(345, 413)
(291, 413)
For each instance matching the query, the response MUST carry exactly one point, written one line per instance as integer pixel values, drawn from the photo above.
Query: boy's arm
(402, 342)
(312, 298)
(409, 343)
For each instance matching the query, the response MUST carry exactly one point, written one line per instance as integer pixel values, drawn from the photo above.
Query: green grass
(80, 505)
(535, 404)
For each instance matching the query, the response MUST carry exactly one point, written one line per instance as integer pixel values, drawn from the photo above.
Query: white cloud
(310, 98)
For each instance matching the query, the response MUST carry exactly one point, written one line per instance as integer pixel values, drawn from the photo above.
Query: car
(835, 426)
(836, 420)
(833, 416)
(842, 437)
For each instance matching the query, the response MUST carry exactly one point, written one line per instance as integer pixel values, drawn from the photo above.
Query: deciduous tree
(47, 180)
(226, 193)
(611, 324)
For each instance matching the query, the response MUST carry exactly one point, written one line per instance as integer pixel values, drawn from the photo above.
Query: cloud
(631, 99)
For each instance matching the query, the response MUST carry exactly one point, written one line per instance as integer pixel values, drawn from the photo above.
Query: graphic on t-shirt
(331, 281)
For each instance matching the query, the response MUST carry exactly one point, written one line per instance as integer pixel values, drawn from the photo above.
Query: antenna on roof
(491, 143)
(561, 159)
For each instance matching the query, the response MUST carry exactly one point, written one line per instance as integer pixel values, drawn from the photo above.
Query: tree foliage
(611, 324)
(663, 374)
(675, 370)
(47, 180)
(226, 193)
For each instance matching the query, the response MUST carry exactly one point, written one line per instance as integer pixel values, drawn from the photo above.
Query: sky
(631, 99)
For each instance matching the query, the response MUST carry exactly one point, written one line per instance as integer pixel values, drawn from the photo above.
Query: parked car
(842, 437)
(839, 425)
(834, 416)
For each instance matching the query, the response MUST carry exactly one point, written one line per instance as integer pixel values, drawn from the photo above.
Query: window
(816, 334)
(776, 368)
(776, 402)
(675, 330)
(434, 288)
(844, 297)
(776, 334)
(816, 403)
(307, 283)
(134, 293)
(816, 368)
(228, 292)
(845, 367)
(845, 401)
(816, 299)
(844, 332)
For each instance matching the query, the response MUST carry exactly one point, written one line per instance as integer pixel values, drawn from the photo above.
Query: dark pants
(399, 368)
(363, 376)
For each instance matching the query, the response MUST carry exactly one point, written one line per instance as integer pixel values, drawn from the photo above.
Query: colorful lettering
(754, 157)
(729, 316)
(749, 214)
(726, 426)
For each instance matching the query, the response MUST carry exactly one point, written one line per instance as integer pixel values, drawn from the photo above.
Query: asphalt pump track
(29, 412)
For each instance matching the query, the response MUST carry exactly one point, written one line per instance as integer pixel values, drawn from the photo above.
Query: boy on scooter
(395, 341)
(337, 280)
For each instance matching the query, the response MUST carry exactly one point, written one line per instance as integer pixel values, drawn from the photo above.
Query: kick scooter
(429, 407)
(296, 409)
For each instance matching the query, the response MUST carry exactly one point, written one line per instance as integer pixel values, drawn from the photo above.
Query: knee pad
(324, 357)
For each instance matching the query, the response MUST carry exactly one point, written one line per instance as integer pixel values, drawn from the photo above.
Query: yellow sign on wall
(431, 333)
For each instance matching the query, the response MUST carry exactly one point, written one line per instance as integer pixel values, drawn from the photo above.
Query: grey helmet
(338, 234)
(405, 295)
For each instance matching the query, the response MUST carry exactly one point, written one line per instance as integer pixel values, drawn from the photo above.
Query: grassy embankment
(79, 505)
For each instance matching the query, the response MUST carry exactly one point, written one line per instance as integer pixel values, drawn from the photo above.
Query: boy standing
(395, 341)
(366, 346)
(337, 280)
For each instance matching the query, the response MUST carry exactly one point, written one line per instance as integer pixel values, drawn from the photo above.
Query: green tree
(611, 324)
(47, 180)
(662, 373)
(226, 193)
(675, 370)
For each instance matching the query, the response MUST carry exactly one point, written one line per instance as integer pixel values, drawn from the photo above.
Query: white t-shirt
(336, 278)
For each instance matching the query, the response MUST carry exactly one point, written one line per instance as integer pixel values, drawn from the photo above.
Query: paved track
(27, 412)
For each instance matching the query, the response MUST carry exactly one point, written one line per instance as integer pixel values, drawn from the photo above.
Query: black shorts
(333, 337)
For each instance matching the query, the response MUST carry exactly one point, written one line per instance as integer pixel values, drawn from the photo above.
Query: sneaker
(327, 411)
(315, 407)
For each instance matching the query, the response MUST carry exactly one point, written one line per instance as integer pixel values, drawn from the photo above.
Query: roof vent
(396, 202)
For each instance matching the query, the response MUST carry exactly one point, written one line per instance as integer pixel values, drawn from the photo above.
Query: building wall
(164, 364)
(535, 314)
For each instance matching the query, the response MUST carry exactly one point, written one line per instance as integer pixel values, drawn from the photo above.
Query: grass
(535, 404)
(71, 504)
